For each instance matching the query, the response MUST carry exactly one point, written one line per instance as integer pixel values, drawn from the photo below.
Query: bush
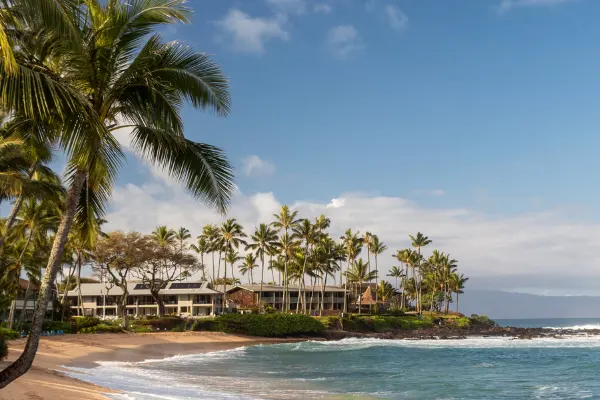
(270, 325)
(163, 324)
(9, 334)
(3, 348)
(141, 329)
(105, 328)
(57, 326)
(81, 323)
(204, 325)
(482, 320)
(384, 323)
(462, 322)
(331, 322)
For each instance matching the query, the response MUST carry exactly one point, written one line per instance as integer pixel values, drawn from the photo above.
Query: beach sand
(46, 381)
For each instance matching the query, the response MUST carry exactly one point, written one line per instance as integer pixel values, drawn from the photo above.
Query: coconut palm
(248, 265)
(377, 247)
(397, 273)
(164, 236)
(305, 231)
(287, 246)
(94, 73)
(232, 257)
(211, 233)
(284, 221)
(352, 247)
(182, 234)
(263, 239)
(457, 284)
(385, 290)
(202, 247)
(419, 241)
(231, 237)
(359, 273)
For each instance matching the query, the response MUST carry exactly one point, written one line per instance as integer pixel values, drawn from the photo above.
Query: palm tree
(263, 239)
(182, 234)
(396, 272)
(104, 71)
(457, 284)
(377, 248)
(287, 247)
(230, 237)
(233, 257)
(359, 273)
(419, 241)
(164, 236)
(202, 247)
(352, 247)
(248, 266)
(211, 233)
(384, 291)
(305, 231)
(284, 221)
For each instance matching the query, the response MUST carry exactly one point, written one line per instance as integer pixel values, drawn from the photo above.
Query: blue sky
(462, 114)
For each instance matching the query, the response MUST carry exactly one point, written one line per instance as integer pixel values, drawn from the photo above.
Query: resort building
(247, 296)
(187, 299)
(20, 305)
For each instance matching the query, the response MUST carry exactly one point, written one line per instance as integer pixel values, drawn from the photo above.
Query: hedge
(3, 348)
(162, 324)
(9, 334)
(384, 323)
(269, 325)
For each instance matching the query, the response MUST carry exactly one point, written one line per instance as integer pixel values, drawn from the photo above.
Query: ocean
(475, 368)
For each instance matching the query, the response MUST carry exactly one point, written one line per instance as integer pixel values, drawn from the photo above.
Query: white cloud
(249, 34)
(256, 166)
(517, 252)
(297, 7)
(322, 8)
(506, 5)
(431, 192)
(396, 18)
(344, 39)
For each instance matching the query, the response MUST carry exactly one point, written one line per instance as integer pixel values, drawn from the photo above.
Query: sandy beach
(46, 381)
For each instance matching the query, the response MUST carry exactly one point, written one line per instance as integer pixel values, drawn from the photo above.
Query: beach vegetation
(9, 334)
(3, 347)
(269, 325)
(86, 69)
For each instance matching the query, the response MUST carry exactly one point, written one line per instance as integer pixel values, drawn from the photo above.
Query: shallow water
(477, 368)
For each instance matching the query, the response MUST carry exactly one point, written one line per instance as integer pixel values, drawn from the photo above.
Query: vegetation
(269, 325)
(72, 73)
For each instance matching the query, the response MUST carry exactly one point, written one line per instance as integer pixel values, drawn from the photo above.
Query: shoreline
(47, 379)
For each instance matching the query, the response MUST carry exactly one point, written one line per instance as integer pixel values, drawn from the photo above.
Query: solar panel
(140, 286)
(186, 285)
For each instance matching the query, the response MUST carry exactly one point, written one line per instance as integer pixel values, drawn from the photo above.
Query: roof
(366, 298)
(291, 288)
(24, 282)
(137, 288)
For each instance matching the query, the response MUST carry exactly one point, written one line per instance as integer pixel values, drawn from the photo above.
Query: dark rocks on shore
(450, 333)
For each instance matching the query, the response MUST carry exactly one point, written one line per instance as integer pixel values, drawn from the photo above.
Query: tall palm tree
(305, 231)
(93, 73)
(457, 284)
(232, 257)
(352, 246)
(164, 236)
(231, 237)
(396, 272)
(384, 291)
(248, 265)
(202, 247)
(287, 246)
(419, 241)
(182, 234)
(211, 233)
(359, 273)
(377, 248)
(284, 221)
(263, 239)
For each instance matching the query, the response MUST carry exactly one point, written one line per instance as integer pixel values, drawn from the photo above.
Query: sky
(472, 121)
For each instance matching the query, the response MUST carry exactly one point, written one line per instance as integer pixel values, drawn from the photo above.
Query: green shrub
(482, 320)
(105, 328)
(163, 324)
(178, 328)
(89, 330)
(204, 325)
(380, 323)
(331, 322)
(274, 325)
(141, 329)
(57, 326)
(462, 322)
(9, 334)
(81, 323)
(3, 348)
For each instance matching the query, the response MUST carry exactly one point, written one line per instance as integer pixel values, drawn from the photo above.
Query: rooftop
(291, 288)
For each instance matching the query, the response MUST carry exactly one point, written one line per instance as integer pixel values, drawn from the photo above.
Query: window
(184, 309)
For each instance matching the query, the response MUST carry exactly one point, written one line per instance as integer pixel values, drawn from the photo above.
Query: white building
(187, 299)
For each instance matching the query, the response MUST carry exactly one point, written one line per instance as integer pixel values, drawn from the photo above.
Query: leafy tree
(419, 241)
(248, 265)
(352, 246)
(377, 248)
(231, 237)
(359, 273)
(94, 67)
(202, 247)
(284, 221)
(457, 284)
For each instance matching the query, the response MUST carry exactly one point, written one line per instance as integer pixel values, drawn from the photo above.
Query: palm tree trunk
(11, 317)
(285, 286)
(224, 283)
(376, 285)
(345, 287)
(323, 283)
(213, 265)
(64, 299)
(262, 274)
(79, 296)
(457, 303)
(24, 362)
(312, 294)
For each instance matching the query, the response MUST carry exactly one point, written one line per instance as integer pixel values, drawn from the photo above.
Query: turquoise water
(478, 368)
(574, 323)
